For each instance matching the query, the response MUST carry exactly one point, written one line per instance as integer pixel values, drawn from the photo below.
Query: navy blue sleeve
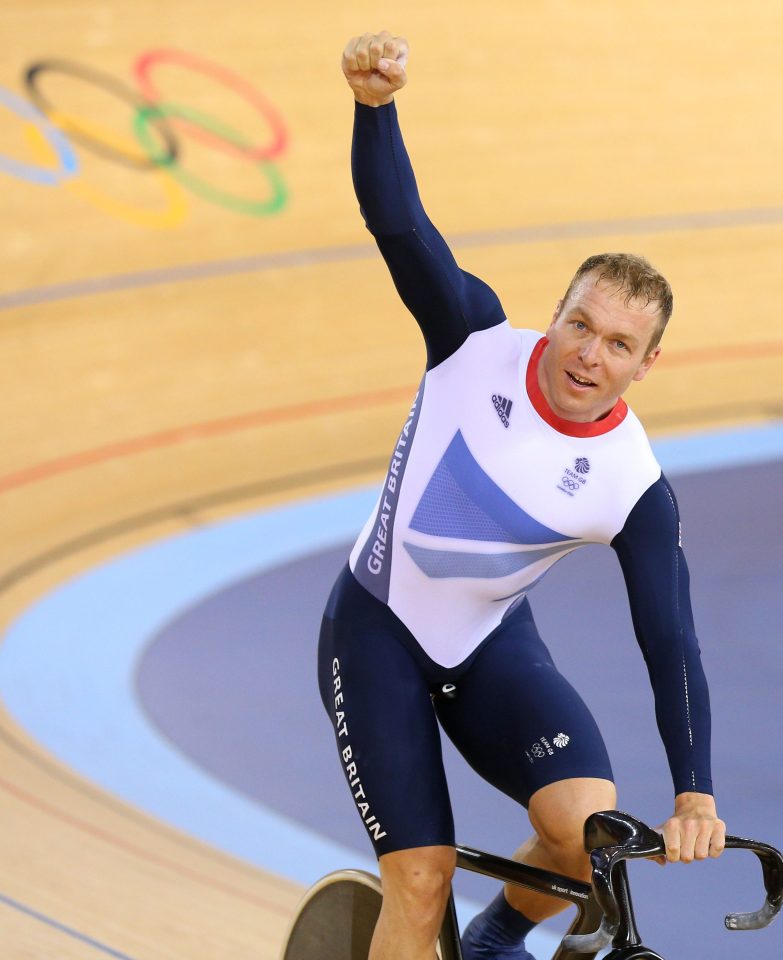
(658, 583)
(448, 303)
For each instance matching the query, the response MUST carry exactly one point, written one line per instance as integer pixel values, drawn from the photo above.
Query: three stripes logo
(503, 408)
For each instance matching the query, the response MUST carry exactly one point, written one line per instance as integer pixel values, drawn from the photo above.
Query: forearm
(656, 576)
(682, 709)
(382, 173)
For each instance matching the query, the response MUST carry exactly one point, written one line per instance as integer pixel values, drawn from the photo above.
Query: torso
(486, 490)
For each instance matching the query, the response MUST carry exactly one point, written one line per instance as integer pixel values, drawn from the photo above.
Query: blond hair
(637, 278)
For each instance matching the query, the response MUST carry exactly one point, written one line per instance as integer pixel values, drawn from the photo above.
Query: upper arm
(448, 303)
(654, 566)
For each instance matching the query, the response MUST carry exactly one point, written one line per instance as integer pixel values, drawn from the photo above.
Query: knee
(565, 850)
(559, 821)
(416, 883)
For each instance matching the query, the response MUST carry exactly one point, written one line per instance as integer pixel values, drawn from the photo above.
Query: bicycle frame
(604, 909)
(580, 894)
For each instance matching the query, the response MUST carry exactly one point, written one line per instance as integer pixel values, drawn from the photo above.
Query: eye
(621, 345)
(580, 325)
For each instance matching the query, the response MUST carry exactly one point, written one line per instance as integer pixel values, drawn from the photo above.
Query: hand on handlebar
(613, 836)
(694, 831)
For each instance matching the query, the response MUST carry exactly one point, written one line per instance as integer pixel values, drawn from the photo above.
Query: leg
(522, 727)
(416, 886)
(387, 735)
(558, 812)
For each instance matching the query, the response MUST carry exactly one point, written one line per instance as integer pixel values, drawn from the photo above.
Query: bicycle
(337, 915)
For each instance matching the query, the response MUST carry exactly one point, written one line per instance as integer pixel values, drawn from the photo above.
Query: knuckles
(376, 44)
(690, 838)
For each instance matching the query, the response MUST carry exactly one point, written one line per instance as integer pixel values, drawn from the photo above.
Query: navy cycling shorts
(512, 716)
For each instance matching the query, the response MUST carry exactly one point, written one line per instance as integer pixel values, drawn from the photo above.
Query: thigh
(516, 719)
(386, 731)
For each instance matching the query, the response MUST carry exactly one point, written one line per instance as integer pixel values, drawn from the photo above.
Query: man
(517, 449)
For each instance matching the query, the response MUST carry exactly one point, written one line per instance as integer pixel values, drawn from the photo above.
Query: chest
(484, 452)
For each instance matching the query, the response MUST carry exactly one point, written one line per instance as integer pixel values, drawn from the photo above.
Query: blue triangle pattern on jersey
(441, 564)
(462, 502)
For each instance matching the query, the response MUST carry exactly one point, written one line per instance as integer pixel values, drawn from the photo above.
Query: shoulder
(526, 338)
(624, 462)
(632, 451)
(655, 515)
(489, 347)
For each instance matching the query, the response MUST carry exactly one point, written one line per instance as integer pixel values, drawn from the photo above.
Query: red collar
(571, 428)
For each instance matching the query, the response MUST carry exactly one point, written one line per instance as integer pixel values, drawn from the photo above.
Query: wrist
(692, 801)
(373, 101)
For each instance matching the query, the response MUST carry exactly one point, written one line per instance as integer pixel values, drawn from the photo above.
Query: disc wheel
(336, 918)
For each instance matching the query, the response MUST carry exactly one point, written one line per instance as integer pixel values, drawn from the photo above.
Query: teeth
(581, 380)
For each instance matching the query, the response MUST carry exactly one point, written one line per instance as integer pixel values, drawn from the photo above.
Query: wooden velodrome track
(169, 360)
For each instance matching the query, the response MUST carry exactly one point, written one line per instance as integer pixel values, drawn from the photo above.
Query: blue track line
(62, 928)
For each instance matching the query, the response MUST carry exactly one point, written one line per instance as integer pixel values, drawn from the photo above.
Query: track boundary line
(261, 263)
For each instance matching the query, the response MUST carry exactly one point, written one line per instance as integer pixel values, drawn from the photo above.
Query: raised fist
(374, 66)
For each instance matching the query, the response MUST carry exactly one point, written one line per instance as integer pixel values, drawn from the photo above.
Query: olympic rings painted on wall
(143, 68)
(67, 163)
(157, 126)
(77, 130)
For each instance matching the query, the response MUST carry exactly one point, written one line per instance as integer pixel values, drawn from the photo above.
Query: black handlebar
(612, 837)
(772, 870)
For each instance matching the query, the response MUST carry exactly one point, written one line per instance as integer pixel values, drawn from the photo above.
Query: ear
(644, 366)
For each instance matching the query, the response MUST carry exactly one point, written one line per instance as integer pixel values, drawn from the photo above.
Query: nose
(588, 352)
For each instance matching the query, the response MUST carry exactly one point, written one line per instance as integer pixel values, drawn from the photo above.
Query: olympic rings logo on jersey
(158, 127)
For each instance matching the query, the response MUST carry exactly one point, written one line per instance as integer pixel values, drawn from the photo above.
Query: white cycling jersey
(487, 488)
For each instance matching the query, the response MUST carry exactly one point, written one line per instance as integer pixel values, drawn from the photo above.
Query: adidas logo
(503, 407)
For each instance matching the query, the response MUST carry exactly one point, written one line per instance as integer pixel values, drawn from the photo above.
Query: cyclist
(517, 449)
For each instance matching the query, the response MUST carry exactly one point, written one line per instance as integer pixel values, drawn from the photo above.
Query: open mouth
(580, 381)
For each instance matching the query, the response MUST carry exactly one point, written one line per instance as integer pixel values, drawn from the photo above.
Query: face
(597, 347)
